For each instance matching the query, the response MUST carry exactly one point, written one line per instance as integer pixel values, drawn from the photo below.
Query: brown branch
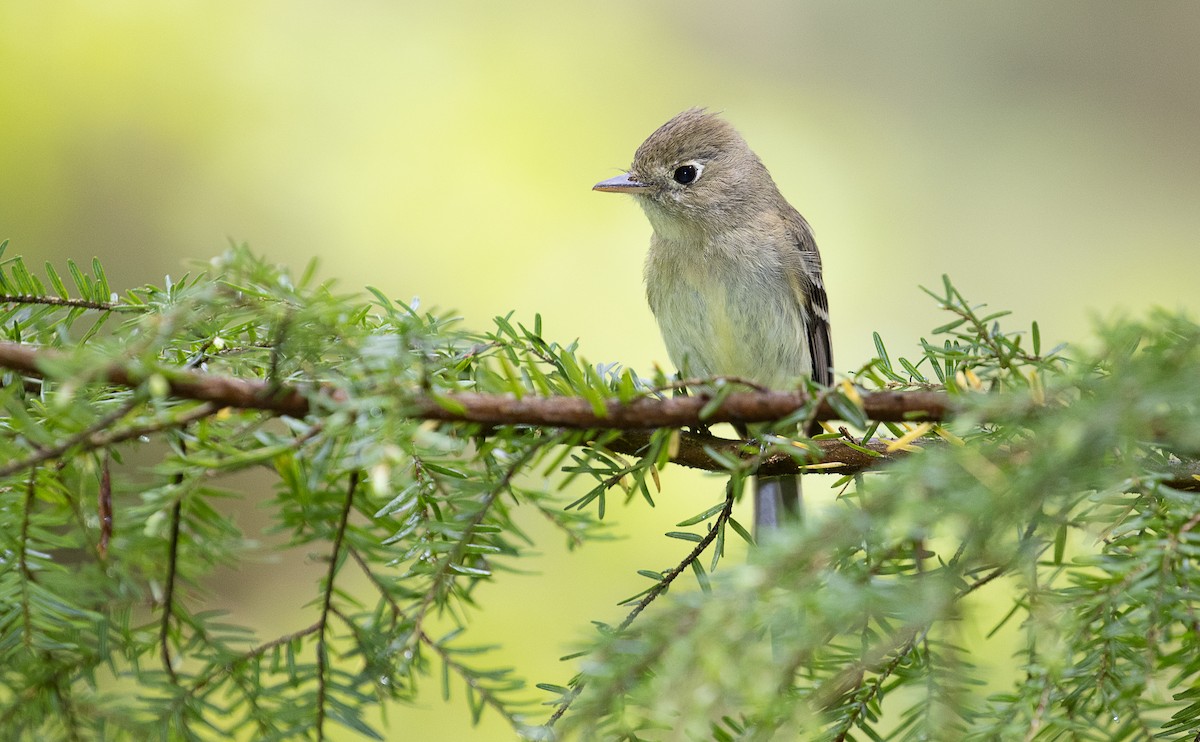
(495, 409)
(643, 413)
(648, 413)
(222, 390)
(693, 452)
(635, 419)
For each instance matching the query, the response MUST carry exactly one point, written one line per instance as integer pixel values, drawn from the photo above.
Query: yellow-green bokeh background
(1045, 155)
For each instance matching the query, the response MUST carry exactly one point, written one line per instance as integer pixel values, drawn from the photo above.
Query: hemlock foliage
(1064, 487)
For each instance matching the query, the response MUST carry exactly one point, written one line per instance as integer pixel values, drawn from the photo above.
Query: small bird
(733, 275)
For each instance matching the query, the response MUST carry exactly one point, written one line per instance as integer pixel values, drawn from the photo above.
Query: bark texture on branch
(648, 413)
(635, 419)
(495, 409)
(222, 390)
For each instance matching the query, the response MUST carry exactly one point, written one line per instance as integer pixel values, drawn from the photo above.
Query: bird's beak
(621, 184)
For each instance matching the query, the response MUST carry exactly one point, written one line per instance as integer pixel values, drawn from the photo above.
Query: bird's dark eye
(686, 174)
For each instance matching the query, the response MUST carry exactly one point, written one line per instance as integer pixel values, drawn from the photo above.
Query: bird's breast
(727, 314)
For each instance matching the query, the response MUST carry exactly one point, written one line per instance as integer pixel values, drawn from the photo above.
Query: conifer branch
(635, 418)
(644, 413)
(55, 301)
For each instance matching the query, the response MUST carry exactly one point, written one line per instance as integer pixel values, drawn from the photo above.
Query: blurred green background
(1044, 155)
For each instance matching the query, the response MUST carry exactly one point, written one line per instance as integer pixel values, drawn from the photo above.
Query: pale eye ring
(687, 173)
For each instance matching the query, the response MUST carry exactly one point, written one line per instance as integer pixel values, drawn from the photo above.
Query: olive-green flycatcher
(733, 274)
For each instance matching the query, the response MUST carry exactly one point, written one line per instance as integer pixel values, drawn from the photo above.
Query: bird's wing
(811, 296)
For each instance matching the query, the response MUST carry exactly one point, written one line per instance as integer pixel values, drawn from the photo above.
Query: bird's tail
(777, 500)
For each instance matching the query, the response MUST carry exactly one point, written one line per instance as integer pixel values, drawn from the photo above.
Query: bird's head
(695, 174)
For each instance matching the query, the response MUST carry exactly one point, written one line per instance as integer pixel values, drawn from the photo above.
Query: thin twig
(327, 603)
(899, 654)
(164, 627)
(164, 632)
(92, 437)
(852, 677)
(678, 569)
(459, 549)
(258, 651)
(56, 301)
(45, 454)
(23, 560)
(653, 593)
(104, 506)
(460, 669)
